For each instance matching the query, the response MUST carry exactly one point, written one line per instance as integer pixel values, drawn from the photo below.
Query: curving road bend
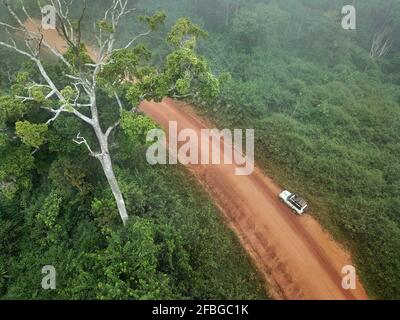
(294, 254)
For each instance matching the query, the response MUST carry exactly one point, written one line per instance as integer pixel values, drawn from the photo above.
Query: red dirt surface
(294, 254)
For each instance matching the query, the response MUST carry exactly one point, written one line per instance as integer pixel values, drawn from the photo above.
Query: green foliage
(3, 140)
(66, 173)
(129, 264)
(15, 166)
(155, 20)
(105, 26)
(134, 94)
(326, 114)
(105, 212)
(56, 207)
(78, 57)
(174, 246)
(38, 95)
(258, 23)
(126, 65)
(3, 279)
(68, 93)
(185, 34)
(47, 217)
(51, 208)
(136, 126)
(11, 108)
(187, 70)
(31, 134)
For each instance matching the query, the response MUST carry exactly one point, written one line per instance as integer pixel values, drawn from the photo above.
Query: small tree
(123, 71)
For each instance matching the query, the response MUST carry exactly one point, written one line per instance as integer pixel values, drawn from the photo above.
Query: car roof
(299, 200)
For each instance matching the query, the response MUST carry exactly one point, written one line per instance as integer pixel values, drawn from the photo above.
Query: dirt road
(296, 257)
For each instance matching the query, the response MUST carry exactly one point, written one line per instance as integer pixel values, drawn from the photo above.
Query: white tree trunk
(106, 163)
(33, 43)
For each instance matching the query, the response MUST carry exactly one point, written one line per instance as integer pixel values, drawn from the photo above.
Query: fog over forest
(324, 102)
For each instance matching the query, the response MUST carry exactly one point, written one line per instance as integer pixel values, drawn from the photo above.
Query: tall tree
(123, 71)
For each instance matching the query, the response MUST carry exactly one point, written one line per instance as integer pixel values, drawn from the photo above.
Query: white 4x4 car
(297, 204)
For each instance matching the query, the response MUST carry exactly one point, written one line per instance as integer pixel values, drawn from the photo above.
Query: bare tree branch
(83, 76)
(81, 140)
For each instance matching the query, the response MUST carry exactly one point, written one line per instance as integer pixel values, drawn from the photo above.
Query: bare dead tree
(381, 42)
(382, 30)
(84, 83)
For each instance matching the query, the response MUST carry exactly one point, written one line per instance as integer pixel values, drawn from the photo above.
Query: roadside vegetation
(325, 104)
(57, 207)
